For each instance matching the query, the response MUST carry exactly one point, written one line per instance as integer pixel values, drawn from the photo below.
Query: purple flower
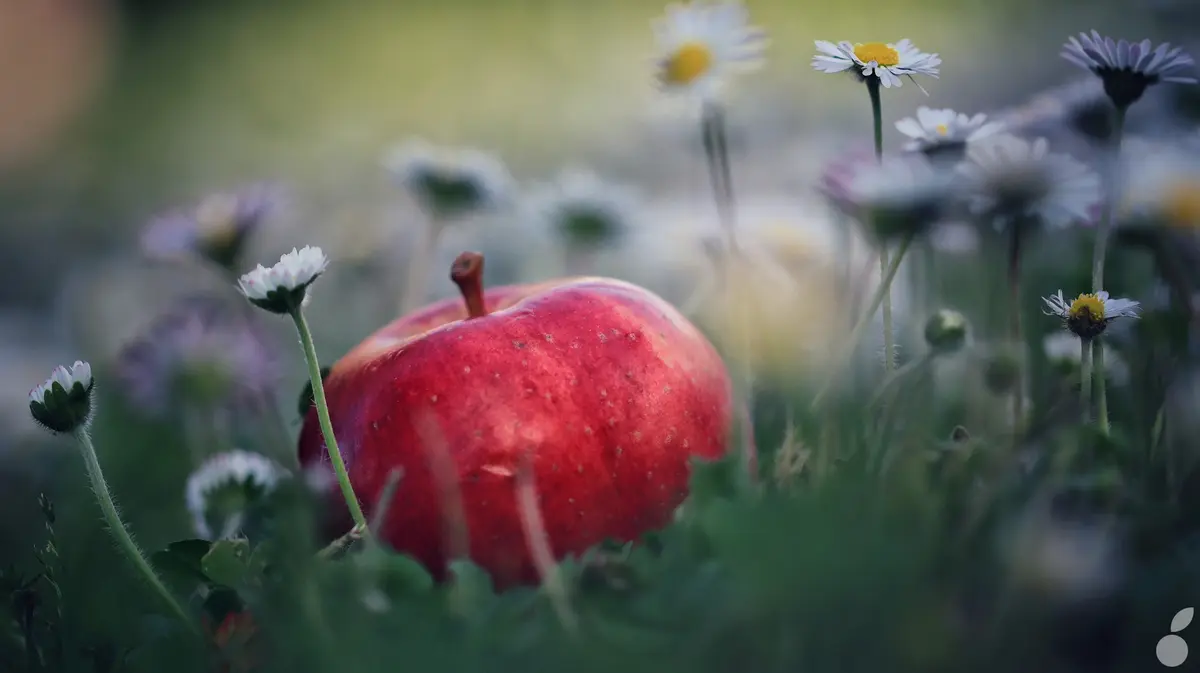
(216, 228)
(202, 352)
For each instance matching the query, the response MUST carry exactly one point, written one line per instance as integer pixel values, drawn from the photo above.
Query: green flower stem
(1085, 379)
(1014, 288)
(121, 534)
(1099, 255)
(1101, 388)
(335, 455)
(889, 357)
(881, 293)
(716, 151)
(418, 266)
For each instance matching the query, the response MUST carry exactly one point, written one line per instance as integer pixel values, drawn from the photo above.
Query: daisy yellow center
(689, 62)
(942, 130)
(1087, 306)
(877, 51)
(1181, 204)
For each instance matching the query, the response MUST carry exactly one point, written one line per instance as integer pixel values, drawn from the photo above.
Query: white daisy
(63, 402)
(282, 288)
(1012, 178)
(449, 181)
(583, 209)
(899, 194)
(889, 62)
(1088, 315)
(221, 489)
(932, 130)
(1128, 68)
(700, 44)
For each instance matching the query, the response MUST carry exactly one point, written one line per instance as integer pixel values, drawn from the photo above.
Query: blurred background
(114, 112)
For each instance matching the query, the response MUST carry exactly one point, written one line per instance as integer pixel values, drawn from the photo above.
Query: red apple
(601, 389)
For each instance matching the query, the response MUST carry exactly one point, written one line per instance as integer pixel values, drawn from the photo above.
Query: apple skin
(604, 388)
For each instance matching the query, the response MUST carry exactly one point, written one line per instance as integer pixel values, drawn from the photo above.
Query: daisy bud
(946, 331)
(224, 493)
(449, 182)
(584, 211)
(282, 288)
(63, 403)
(1002, 371)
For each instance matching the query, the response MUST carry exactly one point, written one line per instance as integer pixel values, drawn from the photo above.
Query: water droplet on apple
(466, 370)
(549, 338)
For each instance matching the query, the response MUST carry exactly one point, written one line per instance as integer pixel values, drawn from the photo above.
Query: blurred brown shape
(53, 54)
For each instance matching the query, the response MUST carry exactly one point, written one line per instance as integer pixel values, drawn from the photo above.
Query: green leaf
(180, 564)
(227, 562)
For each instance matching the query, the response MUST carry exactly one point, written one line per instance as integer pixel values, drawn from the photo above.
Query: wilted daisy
(701, 44)
(449, 181)
(1088, 315)
(223, 492)
(584, 210)
(216, 228)
(944, 132)
(1128, 68)
(885, 61)
(63, 402)
(900, 195)
(200, 352)
(1010, 178)
(283, 287)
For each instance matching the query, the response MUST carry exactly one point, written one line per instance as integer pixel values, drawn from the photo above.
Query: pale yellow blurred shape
(782, 322)
(53, 55)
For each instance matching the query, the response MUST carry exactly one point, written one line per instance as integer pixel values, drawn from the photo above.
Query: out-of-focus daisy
(886, 61)
(1063, 353)
(199, 353)
(583, 210)
(1010, 178)
(944, 132)
(1128, 68)
(222, 492)
(449, 182)
(1163, 188)
(701, 44)
(1067, 559)
(900, 195)
(217, 228)
(63, 402)
(1088, 315)
(284, 287)
(837, 175)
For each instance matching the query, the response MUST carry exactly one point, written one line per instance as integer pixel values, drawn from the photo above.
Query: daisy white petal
(241, 477)
(701, 44)
(282, 288)
(886, 62)
(449, 181)
(1128, 69)
(944, 132)
(63, 402)
(1089, 314)
(1011, 178)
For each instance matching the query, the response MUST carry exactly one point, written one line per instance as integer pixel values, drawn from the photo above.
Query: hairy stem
(116, 527)
(335, 455)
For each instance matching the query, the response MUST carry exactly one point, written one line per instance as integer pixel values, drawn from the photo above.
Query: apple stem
(467, 274)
